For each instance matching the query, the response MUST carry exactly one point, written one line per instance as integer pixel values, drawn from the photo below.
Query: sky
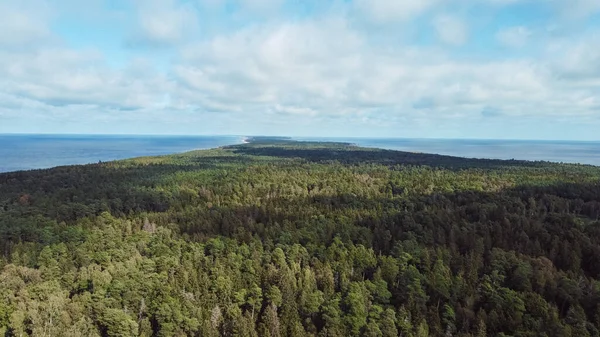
(491, 69)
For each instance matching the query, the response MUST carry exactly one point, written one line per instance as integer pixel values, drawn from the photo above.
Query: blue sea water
(554, 151)
(25, 152)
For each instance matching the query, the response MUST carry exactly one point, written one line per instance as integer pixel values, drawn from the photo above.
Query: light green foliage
(356, 301)
(388, 323)
(117, 323)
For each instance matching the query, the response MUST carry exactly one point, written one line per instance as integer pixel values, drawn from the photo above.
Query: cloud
(424, 103)
(261, 5)
(23, 23)
(263, 65)
(293, 110)
(577, 9)
(514, 37)
(62, 77)
(211, 3)
(162, 23)
(576, 60)
(489, 112)
(504, 2)
(310, 73)
(310, 69)
(451, 30)
(326, 68)
(572, 9)
(257, 4)
(386, 11)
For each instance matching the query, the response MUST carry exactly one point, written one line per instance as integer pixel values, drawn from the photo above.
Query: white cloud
(211, 3)
(577, 9)
(61, 77)
(293, 110)
(247, 7)
(312, 70)
(451, 30)
(577, 60)
(564, 9)
(503, 2)
(23, 23)
(321, 69)
(261, 5)
(263, 65)
(514, 37)
(570, 8)
(385, 11)
(163, 23)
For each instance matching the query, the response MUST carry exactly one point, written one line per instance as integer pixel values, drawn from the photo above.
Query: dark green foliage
(278, 238)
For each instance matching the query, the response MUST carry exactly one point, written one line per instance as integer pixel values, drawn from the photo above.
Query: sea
(576, 152)
(26, 152)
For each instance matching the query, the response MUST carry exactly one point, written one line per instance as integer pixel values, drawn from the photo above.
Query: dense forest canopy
(281, 238)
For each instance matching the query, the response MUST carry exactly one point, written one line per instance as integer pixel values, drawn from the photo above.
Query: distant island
(266, 139)
(275, 237)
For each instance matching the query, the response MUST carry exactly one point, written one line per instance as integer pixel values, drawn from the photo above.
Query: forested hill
(282, 238)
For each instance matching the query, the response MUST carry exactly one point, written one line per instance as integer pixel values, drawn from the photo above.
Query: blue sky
(516, 69)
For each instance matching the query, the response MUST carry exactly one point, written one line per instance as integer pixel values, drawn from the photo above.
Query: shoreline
(94, 154)
(29, 162)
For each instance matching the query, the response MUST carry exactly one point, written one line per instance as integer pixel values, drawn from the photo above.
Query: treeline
(277, 238)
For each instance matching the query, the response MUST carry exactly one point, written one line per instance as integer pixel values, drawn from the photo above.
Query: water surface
(25, 152)
(554, 151)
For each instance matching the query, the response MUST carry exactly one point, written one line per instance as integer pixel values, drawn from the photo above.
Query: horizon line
(293, 137)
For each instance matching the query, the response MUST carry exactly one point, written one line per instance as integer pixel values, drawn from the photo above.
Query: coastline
(23, 153)
(35, 152)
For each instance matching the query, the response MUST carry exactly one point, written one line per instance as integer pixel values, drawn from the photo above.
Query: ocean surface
(554, 151)
(25, 152)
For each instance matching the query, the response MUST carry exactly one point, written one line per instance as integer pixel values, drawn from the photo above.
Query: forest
(279, 238)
